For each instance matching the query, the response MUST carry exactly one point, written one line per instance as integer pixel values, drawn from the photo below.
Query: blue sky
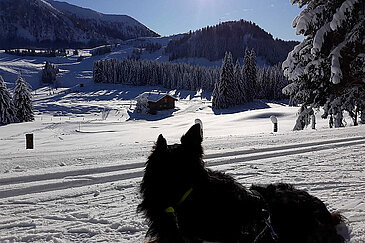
(168, 17)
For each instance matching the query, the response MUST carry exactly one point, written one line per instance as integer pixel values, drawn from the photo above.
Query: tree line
(243, 83)
(239, 85)
(153, 73)
(36, 53)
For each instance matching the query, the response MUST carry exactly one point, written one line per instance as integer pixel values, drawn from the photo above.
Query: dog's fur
(219, 209)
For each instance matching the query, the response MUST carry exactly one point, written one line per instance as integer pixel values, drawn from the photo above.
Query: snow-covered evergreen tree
(270, 82)
(253, 72)
(245, 74)
(240, 85)
(142, 105)
(215, 94)
(23, 101)
(327, 67)
(279, 82)
(304, 118)
(249, 72)
(225, 90)
(263, 82)
(7, 108)
(49, 73)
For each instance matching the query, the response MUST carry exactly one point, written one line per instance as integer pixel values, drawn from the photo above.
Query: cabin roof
(156, 96)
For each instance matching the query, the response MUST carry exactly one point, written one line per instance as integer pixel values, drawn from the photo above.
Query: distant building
(159, 101)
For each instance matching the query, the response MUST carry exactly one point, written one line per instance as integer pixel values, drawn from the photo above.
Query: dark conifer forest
(212, 42)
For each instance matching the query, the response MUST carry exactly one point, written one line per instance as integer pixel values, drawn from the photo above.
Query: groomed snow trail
(98, 203)
(37, 183)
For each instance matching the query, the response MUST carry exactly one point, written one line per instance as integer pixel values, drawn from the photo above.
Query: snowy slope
(80, 183)
(85, 13)
(74, 72)
(40, 23)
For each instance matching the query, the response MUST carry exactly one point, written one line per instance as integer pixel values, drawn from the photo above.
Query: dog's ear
(193, 137)
(161, 143)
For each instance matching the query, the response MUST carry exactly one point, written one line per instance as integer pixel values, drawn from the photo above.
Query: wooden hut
(159, 101)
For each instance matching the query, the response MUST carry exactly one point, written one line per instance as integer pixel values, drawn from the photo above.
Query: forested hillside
(212, 42)
(53, 24)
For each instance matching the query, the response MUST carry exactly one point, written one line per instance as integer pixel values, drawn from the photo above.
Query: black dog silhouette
(184, 201)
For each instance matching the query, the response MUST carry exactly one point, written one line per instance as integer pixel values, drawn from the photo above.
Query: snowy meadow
(80, 183)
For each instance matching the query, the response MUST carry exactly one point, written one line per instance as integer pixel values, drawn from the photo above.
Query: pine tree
(49, 73)
(304, 118)
(142, 105)
(253, 72)
(97, 72)
(23, 101)
(215, 95)
(224, 91)
(262, 79)
(249, 72)
(240, 85)
(245, 74)
(7, 108)
(279, 82)
(326, 68)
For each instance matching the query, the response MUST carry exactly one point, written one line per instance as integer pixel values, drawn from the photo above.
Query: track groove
(123, 172)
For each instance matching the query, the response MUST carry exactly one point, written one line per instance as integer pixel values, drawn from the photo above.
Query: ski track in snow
(64, 206)
(78, 178)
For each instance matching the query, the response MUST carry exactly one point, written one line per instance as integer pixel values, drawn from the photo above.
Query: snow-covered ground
(80, 183)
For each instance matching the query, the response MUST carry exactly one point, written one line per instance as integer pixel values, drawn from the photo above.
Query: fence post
(274, 120)
(29, 138)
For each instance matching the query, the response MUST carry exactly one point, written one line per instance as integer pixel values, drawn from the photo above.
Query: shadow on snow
(149, 117)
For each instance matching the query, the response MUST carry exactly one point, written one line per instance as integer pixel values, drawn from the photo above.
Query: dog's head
(173, 169)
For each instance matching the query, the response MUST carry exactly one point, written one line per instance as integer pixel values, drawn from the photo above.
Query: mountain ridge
(53, 24)
(212, 42)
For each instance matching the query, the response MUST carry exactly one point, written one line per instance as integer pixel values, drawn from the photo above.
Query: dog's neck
(171, 209)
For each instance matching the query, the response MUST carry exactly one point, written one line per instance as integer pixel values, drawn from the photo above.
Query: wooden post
(274, 120)
(29, 141)
(276, 127)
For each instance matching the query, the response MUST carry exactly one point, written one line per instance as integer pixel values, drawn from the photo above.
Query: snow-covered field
(80, 183)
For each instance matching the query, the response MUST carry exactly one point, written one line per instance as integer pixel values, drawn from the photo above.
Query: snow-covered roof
(155, 96)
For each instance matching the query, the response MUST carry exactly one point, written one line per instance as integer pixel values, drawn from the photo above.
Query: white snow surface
(90, 14)
(336, 72)
(306, 19)
(339, 16)
(80, 183)
(319, 38)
